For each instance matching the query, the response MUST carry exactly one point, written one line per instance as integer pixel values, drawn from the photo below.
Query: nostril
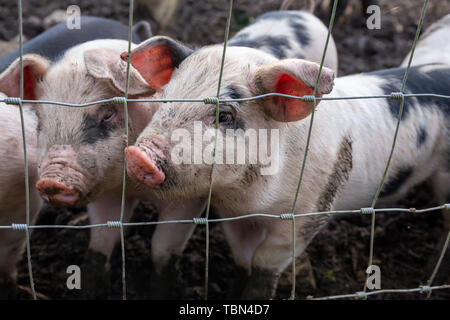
(51, 191)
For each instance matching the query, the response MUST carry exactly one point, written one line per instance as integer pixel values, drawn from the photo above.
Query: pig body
(350, 144)
(12, 191)
(55, 41)
(433, 45)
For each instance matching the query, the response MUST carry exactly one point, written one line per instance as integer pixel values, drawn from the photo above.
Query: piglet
(350, 145)
(433, 45)
(81, 149)
(12, 190)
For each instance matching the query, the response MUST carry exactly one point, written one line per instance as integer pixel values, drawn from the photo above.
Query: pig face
(81, 149)
(173, 154)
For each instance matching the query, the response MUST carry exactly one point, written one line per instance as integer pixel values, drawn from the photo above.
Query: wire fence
(372, 211)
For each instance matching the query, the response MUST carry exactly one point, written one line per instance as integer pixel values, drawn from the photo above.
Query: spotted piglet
(433, 45)
(12, 190)
(349, 148)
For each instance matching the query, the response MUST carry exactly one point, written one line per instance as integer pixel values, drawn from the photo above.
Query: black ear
(156, 58)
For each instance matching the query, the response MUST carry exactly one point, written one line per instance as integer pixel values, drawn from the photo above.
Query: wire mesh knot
(114, 224)
(19, 226)
(200, 220)
(12, 100)
(361, 295)
(425, 289)
(447, 206)
(397, 95)
(287, 216)
(119, 100)
(308, 98)
(211, 100)
(367, 210)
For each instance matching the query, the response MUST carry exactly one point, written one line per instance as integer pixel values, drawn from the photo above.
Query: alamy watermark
(374, 21)
(74, 280)
(373, 280)
(231, 148)
(73, 21)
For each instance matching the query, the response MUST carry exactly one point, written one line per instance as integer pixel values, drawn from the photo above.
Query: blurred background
(336, 260)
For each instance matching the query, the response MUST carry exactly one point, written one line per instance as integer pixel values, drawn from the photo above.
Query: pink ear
(156, 58)
(293, 77)
(34, 68)
(288, 109)
(105, 64)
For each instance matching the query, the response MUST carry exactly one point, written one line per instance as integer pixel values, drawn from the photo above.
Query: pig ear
(106, 64)
(294, 77)
(156, 58)
(34, 69)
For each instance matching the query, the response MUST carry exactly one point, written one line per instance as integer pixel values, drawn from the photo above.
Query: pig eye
(226, 117)
(108, 116)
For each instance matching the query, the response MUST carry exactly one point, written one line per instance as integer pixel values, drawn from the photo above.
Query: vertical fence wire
(25, 156)
(308, 140)
(208, 205)
(124, 177)
(438, 264)
(394, 141)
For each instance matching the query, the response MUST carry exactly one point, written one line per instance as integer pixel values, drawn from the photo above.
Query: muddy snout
(143, 164)
(63, 180)
(57, 193)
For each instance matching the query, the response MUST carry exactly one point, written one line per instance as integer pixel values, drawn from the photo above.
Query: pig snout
(57, 193)
(143, 165)
(62, 181)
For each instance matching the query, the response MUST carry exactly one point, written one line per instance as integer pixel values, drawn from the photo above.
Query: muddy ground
(405, 244)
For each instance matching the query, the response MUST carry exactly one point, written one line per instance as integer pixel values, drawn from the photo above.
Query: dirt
(405, 244)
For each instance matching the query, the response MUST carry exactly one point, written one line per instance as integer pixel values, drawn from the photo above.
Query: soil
(404, 243)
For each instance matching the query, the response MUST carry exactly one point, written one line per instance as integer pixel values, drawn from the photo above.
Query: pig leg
(13, 245)
(243, 238)
(96, 271)
(275, 253)
(169, 241)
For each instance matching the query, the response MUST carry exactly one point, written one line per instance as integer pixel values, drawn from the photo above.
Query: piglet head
(173, 154)
(81, 149)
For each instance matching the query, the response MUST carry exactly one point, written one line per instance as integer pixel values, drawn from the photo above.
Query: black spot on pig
(434, 81)
(233, 92)
(421, 136)
(301, 32)
(394, 183)
(275, 45)
(296, 22)
(94, 131)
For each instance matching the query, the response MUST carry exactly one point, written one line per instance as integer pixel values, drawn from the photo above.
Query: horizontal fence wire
(214, 100)
(283, 216)
(288, 216)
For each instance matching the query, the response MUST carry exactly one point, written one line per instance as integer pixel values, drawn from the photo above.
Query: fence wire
(206, 220)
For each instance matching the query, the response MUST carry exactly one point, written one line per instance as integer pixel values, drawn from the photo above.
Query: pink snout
(142, 167)
(57, 193)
